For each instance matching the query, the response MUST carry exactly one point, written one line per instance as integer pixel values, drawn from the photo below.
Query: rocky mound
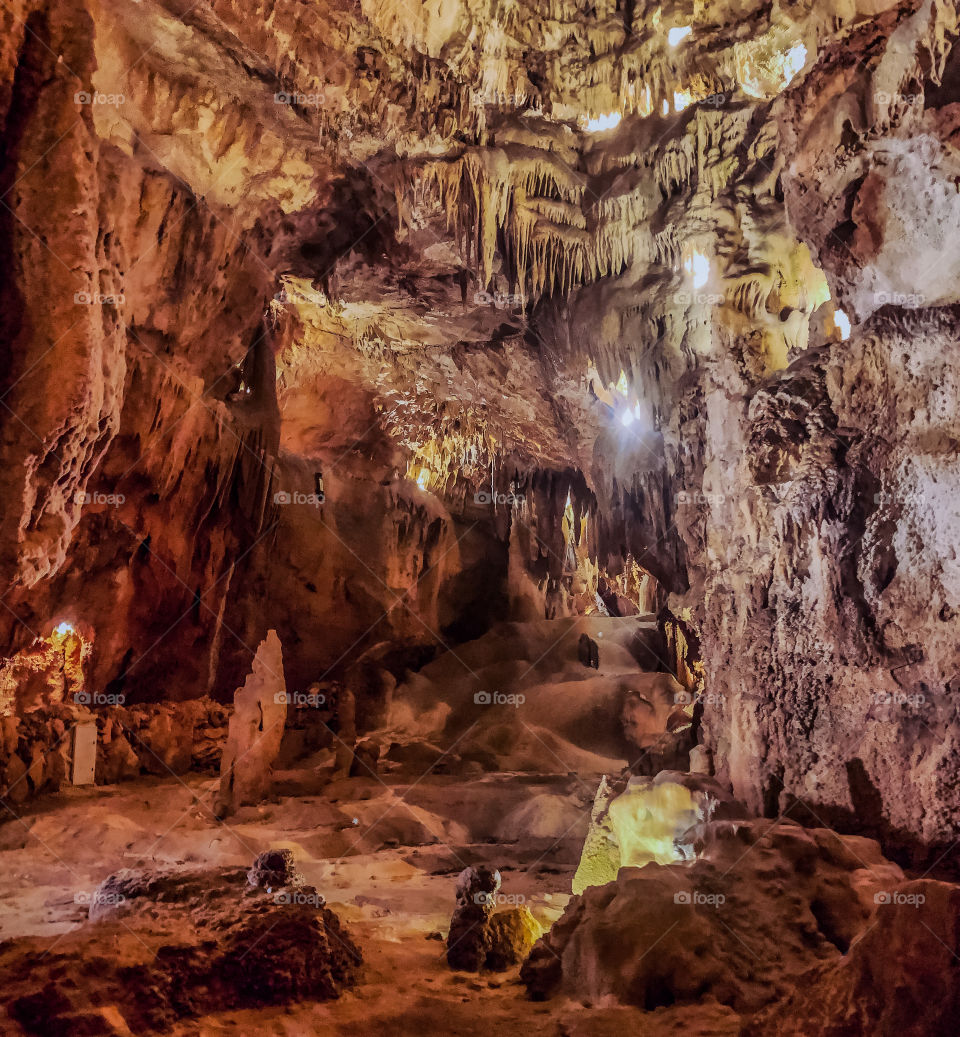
(816, 929)
(480, 936)
(164, 945)
(901, 976)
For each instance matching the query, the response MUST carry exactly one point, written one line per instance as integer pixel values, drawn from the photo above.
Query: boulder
(639, 820)
(274, 868)
(116, 760)
(15, 787)
(512, 934)
(899, 977)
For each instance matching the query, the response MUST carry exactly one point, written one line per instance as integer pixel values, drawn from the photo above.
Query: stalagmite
(256, 731)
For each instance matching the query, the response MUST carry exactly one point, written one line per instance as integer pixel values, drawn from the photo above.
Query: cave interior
(480, 518)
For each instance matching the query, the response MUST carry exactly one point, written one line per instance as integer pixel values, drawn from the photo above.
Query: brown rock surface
(433, 341)
(224, 944)
(743, 924)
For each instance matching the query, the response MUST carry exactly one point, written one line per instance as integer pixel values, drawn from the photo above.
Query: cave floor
(384, 854)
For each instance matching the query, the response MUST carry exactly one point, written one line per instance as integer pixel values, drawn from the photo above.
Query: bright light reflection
(63, 628)
(674, 36)
(627, 418)
(793, 62)
(842, 323)
(699, 266)
(604, 122)
(423, 479)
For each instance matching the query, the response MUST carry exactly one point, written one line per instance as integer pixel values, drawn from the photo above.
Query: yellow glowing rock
(600, 857)
(639, 826)
(647, 820)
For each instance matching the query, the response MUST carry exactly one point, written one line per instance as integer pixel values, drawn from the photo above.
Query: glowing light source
(627, 418)
(698, 266)
(604, 122)
(666, 107)
(674, 36)
(63, 629)
(793, 62)
(681, 99)
(842, 323)
(568, 511)
(423, 478)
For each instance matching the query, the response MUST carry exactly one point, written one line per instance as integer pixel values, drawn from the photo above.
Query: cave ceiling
(443, 228)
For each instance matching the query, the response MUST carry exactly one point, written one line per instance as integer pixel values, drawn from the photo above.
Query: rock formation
(256, 731)
(571, 388)
(763, 909)
(468, 940)
(227, 944)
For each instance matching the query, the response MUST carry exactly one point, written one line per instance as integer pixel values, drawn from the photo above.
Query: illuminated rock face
(639, 821)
